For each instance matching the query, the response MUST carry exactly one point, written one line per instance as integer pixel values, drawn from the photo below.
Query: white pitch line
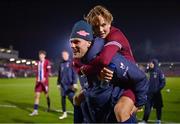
(154, 121)
(71, 112)
(8, 106)
(13, 106)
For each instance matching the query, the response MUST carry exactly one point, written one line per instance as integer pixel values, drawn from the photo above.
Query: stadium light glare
(159, 64)
(8, 51)
(28, 63)
(18, 61)
(2, 50)
(12, 59)
(23, 61)
(170, 66)
(33, 62)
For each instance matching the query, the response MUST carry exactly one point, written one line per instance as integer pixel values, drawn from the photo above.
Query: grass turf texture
(19, 94)
(171, 101)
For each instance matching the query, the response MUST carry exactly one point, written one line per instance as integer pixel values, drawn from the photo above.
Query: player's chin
(102, 35)
(76, 55)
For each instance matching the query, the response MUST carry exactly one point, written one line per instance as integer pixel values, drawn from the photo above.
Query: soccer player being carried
(126, 76)
(116, 42)
(43, 71)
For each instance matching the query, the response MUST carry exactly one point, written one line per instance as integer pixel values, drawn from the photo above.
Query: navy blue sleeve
(141, 86)
(141, 89)
(140, 83)
(161, 80)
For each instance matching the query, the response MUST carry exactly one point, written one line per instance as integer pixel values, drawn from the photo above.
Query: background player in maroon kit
(43, 71)
(100, 18)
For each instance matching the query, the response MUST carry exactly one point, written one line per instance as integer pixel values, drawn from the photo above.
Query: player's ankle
(35, 110)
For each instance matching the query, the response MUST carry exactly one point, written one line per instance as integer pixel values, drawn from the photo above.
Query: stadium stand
(12, 66)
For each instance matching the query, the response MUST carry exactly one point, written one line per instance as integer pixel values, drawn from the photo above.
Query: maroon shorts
(129, 93)
(41, 87)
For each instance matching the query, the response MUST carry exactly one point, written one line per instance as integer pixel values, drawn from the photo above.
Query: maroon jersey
(43, 70)
(117, 39)
(76, 64)
(115, 42)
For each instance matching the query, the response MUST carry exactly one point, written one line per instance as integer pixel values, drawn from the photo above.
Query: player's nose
(101, 29)
(72, 45)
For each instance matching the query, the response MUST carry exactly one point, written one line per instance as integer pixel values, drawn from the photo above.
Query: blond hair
(92, 16)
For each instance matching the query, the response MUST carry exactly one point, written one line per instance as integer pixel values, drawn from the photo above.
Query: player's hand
(106, 74)
(74, 87)
(77, 99)
(134, 110)
(50, 74)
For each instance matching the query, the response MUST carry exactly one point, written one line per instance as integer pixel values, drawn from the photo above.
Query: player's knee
(37, 96)
(121, 113)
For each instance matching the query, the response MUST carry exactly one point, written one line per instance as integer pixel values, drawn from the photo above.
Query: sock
(48, 102)
(63, 103)
(36, 107)
(78, 116)
(158, 113)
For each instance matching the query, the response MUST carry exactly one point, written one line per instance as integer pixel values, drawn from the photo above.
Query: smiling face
(100, 19)
(80, 47)
(102, 27)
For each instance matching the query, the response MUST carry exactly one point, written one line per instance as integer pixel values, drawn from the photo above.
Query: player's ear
(89, 43)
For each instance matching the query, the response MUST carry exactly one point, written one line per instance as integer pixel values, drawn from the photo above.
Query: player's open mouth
(75, 51)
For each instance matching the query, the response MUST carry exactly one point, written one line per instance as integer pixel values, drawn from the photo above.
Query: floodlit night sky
(152, 27)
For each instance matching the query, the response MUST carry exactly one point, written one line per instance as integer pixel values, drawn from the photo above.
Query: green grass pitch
(19, 94)
(17, 98)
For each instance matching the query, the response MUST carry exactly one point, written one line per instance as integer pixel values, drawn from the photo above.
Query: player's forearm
(100, 61)
(107, 54)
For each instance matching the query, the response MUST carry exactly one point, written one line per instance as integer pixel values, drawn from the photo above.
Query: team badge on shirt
(124, 68)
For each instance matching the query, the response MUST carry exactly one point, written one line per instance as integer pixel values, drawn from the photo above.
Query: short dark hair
(42, 52)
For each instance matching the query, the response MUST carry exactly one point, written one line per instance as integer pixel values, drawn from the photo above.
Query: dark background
(152, 27)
